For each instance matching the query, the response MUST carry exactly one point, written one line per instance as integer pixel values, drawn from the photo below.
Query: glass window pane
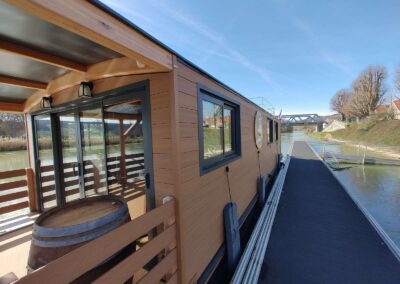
(228, 130)
(70, 165)
(94, 162)
(271, 131)
(125, 153)
(46, 162)
(212, 126)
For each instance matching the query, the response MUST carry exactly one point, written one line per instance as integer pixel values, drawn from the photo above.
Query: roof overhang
(54, 44)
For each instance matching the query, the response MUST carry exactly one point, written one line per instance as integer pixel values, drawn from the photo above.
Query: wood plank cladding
(202, 198)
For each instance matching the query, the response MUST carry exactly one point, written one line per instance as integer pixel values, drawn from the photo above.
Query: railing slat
(70, 266)
(162, 268)
(47, 178)
(48, 188)
(124, 270)
(13, 173)
(13, 184)
(14, 195)
(13, 207)
(47, 168)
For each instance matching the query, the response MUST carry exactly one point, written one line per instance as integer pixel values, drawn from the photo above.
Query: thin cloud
(313, 38)
(218, 41)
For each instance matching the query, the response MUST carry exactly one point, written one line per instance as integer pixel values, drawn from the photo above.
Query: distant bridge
(303, 119)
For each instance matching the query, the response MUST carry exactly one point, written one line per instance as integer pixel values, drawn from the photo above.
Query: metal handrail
(251, 261)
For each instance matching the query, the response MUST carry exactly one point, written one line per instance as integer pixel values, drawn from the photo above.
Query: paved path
(319, 235)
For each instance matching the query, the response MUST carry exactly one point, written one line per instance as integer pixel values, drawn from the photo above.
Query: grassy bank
(385, 133)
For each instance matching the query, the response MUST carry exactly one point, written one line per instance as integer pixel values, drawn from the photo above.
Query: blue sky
(294, 54)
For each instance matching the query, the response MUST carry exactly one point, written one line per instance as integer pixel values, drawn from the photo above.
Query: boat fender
(261, 190)
(232, 235)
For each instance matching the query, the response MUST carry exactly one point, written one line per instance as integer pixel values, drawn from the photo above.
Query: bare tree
(369, 90)
(340, 102)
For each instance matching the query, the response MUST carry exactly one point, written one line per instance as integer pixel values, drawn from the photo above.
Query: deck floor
(319, 235)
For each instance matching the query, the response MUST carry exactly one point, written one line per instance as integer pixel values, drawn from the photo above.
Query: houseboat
(111, 111)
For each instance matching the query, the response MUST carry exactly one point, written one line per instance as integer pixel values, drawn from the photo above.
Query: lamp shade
(85, 90)
(46, 102)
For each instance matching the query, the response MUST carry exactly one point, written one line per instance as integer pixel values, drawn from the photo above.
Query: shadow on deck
(319, 234)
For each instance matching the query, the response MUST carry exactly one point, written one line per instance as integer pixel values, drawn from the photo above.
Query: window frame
(206, 94)
(276, 131)
(270, 131)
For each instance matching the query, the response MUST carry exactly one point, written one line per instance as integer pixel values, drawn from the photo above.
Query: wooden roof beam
(11, 107)
(88, 21)
(32, 54)
(18, 82)
(122, 66)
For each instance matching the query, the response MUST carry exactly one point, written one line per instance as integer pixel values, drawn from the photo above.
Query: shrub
(368, 122)
(12, 144)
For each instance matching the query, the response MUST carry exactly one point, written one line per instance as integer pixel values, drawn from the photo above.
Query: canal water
(376, 187)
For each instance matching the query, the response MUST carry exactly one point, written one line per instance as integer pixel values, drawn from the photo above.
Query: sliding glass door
(93, 161)
(69, 161)
(83, 163)
(96, 148)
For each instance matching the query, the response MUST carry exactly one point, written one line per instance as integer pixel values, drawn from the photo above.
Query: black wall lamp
(85, 90)
(46, 102)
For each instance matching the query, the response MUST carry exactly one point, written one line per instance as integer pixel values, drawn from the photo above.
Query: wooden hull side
(202, 198)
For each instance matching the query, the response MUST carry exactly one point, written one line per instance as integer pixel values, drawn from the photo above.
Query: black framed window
(276, 131)
(219, 129)
(271, 131)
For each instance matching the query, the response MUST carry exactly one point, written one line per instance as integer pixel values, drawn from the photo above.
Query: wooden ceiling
(51, 45)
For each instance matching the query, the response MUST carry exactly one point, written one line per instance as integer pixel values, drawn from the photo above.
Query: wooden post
(122, 164)
(96, 178)
(31, 189)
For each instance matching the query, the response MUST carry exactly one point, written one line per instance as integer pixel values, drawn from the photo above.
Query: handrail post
(31, 189)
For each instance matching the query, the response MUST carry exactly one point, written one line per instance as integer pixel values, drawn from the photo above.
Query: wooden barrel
(63, 229)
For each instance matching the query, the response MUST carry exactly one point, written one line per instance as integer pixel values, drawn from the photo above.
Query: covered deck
(80, 145)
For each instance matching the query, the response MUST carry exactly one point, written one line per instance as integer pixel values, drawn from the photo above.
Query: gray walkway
(319, 235)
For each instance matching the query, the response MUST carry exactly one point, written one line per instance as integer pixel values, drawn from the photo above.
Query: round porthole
(258, 130)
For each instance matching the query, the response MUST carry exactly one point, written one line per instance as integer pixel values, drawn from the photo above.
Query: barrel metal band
(78, 240)
(80, 228)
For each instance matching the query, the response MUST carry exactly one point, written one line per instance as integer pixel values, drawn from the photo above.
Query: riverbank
(382, 133)
(381, 139)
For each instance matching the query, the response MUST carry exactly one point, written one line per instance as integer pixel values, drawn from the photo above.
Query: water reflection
(376, 187)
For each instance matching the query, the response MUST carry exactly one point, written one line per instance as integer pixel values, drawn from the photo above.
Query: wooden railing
(134, 164)
(162, 248)
(133, 167)
(18, 190)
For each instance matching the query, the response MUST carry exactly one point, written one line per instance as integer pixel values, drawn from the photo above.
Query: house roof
(381, 108)
(397, 104)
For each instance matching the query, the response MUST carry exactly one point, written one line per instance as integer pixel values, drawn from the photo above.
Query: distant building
(396, 109)
(382, 108)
